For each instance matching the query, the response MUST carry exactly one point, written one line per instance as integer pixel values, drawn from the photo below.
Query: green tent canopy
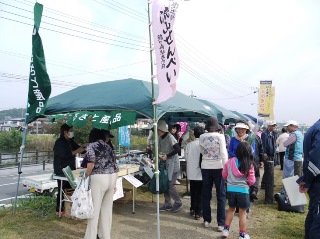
(241, 116)
(128, 95)
(222, 113)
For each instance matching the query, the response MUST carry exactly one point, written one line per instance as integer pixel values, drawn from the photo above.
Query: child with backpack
(239, 175)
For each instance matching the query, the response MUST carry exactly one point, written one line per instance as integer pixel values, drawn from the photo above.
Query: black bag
(163, 180)
(284, 204)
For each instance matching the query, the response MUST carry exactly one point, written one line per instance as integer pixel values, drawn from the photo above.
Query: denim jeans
(210, 177)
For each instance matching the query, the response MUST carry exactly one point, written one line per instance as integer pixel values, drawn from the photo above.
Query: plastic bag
(82, 205)
(163, 181)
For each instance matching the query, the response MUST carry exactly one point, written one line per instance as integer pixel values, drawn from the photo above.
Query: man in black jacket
(65, 150)
(258, 160)
(268, 138)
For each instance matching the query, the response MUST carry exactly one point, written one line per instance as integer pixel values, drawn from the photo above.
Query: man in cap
(294, 145)
(168, 152)
(268, 138)
(310, 181)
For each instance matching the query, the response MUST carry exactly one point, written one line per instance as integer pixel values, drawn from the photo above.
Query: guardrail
(30, 157)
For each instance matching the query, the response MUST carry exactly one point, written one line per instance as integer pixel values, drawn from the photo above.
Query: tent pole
(155, 131)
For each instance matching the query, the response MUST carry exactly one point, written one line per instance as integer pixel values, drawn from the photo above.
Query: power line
(83, 72)
(68, 16)
(217, 76)
(114, 7)
(73, 24)
(191, 71)
(193, 49)
(81, 37)
(21, 78)
(201, 67)
(79, 32)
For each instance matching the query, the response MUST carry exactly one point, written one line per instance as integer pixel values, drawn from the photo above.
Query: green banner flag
(39, 82)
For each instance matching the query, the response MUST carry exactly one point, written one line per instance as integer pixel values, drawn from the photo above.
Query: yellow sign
(264, 107)
(271, 116)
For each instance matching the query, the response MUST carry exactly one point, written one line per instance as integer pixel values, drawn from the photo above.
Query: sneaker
(176, 207)
(165, 208)
(192, 213)
(62, 213)
(225, 233)
(254, 196)
(197, 217)
(220, 228)
(246, 236)
(206, 224)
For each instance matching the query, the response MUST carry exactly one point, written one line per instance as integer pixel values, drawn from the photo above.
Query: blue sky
(226, 48)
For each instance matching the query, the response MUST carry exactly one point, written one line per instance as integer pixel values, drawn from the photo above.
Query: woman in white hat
(243, 134)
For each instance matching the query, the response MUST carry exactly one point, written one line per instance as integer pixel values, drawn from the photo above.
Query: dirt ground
(143, 223)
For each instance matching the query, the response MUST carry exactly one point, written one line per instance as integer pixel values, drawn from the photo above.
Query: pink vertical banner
(167, 60)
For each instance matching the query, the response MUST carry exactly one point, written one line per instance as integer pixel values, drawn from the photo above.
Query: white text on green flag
(39, 82)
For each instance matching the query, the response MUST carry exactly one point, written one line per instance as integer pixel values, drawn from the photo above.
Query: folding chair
(69, 175)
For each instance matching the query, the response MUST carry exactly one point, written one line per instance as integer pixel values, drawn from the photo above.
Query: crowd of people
(234, 169)
(226, 157)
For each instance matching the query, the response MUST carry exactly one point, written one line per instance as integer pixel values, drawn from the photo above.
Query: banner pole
(39, 87)
(25, 127)
(155, 130)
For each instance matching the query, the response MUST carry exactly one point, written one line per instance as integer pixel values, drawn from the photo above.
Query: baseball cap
(271, 122)
(291, 122)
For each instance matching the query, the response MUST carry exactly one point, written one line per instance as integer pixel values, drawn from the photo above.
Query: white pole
(25, 127)
(155, 131)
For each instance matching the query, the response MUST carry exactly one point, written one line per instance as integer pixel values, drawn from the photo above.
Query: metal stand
(298, 168)
(269, 176)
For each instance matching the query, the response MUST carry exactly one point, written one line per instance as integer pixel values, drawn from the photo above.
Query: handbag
(163, 181)
(284, 204)
(82, 205)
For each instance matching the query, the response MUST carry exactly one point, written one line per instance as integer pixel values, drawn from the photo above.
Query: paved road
(9, 180)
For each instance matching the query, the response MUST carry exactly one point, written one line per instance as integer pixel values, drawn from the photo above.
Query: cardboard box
(67, 209)
(68, 204)
(127, 196)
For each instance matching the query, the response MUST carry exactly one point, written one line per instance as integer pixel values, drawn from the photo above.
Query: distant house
(11, 123)
(9, 127)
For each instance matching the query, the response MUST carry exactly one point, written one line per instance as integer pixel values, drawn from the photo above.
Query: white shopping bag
(82, 205)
